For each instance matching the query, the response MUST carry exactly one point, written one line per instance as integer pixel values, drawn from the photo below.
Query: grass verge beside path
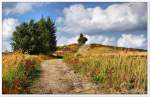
(112, 74)
(19, 72)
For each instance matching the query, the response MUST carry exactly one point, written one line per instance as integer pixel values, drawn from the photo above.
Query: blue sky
(118, 24)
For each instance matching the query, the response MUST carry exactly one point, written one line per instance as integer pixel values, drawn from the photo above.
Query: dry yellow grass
(11, 61)
(18, 72)
(113, 70)
(109, 51)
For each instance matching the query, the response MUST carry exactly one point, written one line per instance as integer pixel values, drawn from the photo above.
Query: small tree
(82, 40)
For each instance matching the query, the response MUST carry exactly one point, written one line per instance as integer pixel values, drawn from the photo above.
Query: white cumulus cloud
(62, 40)
(126, 17)
(9, 26)
(132, 41)
(20, 8)
(102, 39)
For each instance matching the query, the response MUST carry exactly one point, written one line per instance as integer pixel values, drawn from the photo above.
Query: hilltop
(112, 69)
(97, 49)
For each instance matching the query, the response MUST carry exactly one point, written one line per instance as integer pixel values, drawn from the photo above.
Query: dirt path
(57, 78)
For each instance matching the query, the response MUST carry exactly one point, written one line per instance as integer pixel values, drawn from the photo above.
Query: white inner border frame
(74, 95)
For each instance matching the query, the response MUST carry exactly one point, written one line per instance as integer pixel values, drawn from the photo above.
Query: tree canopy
(35, 37)
(82, 39)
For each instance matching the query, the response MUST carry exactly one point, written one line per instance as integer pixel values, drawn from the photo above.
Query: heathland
(109, 69)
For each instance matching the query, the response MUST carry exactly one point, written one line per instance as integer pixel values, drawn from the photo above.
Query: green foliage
(98, 79)
(35, 37)
(82, 39)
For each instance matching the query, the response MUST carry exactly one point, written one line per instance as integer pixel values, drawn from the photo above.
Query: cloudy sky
(117, 24)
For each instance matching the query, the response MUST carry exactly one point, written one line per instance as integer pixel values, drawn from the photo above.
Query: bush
(82, 40)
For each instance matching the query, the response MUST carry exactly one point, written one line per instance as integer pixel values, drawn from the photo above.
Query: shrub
(82, 40)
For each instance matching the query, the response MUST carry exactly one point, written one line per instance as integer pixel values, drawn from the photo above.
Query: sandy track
(57, 78)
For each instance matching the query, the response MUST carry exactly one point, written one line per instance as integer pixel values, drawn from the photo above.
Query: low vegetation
(19, 72)
(113, 70)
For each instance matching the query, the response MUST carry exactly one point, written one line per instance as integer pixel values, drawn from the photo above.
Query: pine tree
(33, 43)
(52, 35)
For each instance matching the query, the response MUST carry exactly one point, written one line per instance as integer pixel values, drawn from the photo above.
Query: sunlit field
(114, 70)
(74, 48)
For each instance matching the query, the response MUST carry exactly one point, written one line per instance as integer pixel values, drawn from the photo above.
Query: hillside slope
(113, 69)
(96, 49)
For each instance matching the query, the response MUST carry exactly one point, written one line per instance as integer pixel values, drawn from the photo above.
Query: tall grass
(112, 74)
(18, 72)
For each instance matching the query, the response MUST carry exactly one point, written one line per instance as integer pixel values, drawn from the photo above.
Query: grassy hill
(96, 49)
(113, 69)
